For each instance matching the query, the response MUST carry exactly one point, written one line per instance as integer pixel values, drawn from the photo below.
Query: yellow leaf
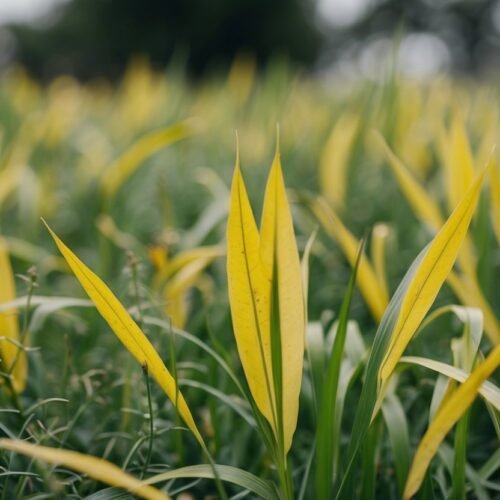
(13, 359)
(146, 146)
(280, 259)
(94, 467)
(447, 416)
(250, 298)
(422, 204)
(462, 168)
(373, 292)
(429, 277)
(495, 199)
(335, 158)
(177, 288)
(379, 236)
(127, 330)
(182, 259)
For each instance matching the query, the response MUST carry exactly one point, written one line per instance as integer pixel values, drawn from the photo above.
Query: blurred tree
(469, 29)
(94, 37)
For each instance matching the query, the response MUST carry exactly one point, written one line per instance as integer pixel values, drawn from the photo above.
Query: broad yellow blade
(249, 298)
(433, 270)
(335, 158)
(94, 467)
(367, 281)
(127, 330)
(422, 204)
(146, 146)
(13, 359)
(281, 262)
(447, 416)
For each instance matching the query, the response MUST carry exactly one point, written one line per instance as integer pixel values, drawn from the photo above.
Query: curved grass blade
(131, 160)
(225, 472)
(489, 391)
(129, 333)
(447, 416)
(422, 204)
(94, 467)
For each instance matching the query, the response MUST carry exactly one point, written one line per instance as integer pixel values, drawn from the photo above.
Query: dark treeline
(98, 37)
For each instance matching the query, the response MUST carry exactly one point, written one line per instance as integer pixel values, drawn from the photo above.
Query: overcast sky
(336, 12)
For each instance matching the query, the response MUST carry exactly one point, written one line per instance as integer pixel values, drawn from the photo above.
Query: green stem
(151, 422)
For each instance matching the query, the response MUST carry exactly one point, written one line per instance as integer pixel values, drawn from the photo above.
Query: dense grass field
(359, 372)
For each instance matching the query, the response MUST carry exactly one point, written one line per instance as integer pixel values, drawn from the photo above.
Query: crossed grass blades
(360, 415)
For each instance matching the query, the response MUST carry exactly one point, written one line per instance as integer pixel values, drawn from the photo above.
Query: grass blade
(250, 299)
(447, 416)
(129, 333)
(131, 160)
(225, 472)
(280, 259)
(432, 272)
(326, 436)
(13, 359)
(96, 468)
(373, 292)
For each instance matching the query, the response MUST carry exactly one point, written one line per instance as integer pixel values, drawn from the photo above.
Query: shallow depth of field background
(83, 80)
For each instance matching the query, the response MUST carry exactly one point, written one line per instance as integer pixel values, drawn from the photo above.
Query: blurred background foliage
(91, 38)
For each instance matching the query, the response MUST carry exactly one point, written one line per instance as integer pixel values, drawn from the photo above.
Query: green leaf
(225, 472)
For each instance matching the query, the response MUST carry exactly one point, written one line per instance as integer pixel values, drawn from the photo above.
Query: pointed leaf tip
(128, 332)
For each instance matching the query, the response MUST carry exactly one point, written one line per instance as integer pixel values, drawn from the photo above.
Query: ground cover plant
(156, 342)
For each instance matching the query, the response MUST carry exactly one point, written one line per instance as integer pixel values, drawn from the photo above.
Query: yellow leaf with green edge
(373, 292)
(335, 158)
(280, 259)
(96, 468)
(495, 199)
(447, 416)
(13, 359)
(429, 277)
(131, 160)
(422, 204)
(127, 330)
(249, 298)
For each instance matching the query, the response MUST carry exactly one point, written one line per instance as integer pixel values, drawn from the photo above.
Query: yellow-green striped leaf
(280, 259)
(431, 273)
(127, 330)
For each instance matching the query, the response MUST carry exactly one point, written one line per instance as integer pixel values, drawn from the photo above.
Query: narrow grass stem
(151, 422)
